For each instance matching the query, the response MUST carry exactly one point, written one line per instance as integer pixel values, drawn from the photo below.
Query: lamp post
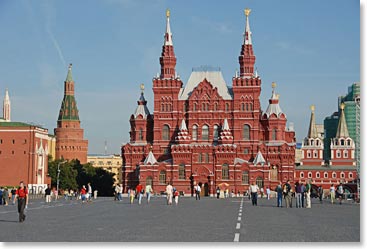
(58, 175)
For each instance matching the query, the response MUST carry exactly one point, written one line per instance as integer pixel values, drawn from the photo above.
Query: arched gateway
(202, 176)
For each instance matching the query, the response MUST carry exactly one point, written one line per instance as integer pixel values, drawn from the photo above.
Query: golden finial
(273, 85)
(342, 105)
(168, 12)
(312, 107)
(70, 65)
(247, 11)
(278, 96)
(142, 87)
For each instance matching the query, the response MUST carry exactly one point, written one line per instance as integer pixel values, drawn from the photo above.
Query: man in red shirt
(83, 192)
(139, 192)
(22, 195)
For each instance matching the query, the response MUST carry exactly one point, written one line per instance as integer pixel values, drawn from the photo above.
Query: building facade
(207, 132)
(24, 155)
(110, 163)
(70, 142)
(340, 168)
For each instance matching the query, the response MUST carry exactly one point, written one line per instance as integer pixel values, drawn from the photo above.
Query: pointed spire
(225, 125)
(69, 77)
(142, 108)
(168, 34)
(226, 134)
(247, 35)
(312, 131)
(6, 106)
(183, 126)
(342, 130)
(273, 107)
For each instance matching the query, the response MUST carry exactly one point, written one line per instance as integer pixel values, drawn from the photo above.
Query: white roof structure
(150, 159)
(247, 35)
(239, 160)
(183, 126)
(214, 77)
(168, 34)
(259, 159)
(141, 110)
(225, 125)
(274, 107)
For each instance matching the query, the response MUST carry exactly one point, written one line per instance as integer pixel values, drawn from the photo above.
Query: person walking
(117, 192)
(132, 195)
(279, 191)
(303, 191)
(254, 190)
(169, 191)
(83, 193)
(218, 192)
(332, 193)
(262, 192)
(90, 192)
(321, 193)
(13, 191)
(287, 194)
(197, 191)
(22, 195)
(71, 194)
(148, 191)
(268, 193)
(5, 196)
(298, 195)
(176, 194)
(308, 194)
(340, 193)
(139, 192)
(48, 193)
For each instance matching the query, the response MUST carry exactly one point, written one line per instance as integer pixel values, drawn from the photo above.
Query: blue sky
(310, 48)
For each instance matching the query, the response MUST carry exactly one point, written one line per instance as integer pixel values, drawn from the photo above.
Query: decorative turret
(183, 135)
(259, 159)
(6, 107)
(150, 159)
(312, 131)
(274, 107)
(342, 131)
(226, 134)
(247, 57)
(142, 109)
(168, 59)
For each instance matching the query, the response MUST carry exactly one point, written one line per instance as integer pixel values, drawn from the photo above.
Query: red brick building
(341, 167)
(70, 143)
(207, 132)
(24, 155)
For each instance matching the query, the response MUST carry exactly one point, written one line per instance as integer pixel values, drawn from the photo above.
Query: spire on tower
(69, 77)
(312, 131)
(168, 34)
(6, 106)
(247, 35)
(342, 130)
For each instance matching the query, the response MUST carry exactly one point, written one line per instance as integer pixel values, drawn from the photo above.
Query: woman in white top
(332, 193)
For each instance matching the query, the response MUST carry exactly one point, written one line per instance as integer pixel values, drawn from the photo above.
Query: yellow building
(110, 163)
(52, 146)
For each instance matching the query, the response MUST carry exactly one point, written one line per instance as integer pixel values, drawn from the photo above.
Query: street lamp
(58, 175)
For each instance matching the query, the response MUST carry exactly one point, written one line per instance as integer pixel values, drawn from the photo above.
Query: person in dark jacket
(279, 191)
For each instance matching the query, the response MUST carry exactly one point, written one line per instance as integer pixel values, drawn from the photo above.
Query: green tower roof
(68, 110)
(69, 77)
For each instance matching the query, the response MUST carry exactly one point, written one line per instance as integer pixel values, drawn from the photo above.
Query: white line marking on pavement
(238, 226)
(239, 219)
(240, 214)
(236, 237)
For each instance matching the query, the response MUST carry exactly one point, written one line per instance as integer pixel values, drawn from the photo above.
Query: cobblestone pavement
(207, 220)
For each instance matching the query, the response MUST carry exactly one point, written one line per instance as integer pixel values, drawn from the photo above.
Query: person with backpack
(22, 195)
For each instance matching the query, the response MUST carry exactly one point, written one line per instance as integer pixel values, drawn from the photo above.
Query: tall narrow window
(215, 132)
(274, 134)
(215, 106)
(165, 132)
(207, 157)
(199, 158)
(194, 107)
(205, 133)
(162, 177)
(227, 107)
(245, 177)
(242, 106)
(225, 172)
(260, 182)
(194, 133)
(181, 172)
(140, 134)
(246, 132)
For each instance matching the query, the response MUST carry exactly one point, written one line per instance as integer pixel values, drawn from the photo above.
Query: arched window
(242, 106)
(215, 106)
(334, 175)
(200, 158)
(149, 181)
(194, 107)
(308, 154)
(225, 172)
(315, 154)
(162, 177)
(338, 154)
(246, 132)
(250, 106)
(227, 107)
(348, 142)
(205, 133)
(245, 177)
(260, 182)
(194, 132)
(326, 175)
(317, 174)
(301, 175)
(350, 175)
(341, 141)
(165, 132)
(203, 106)
(309, 175)
(215, 132)
(246, 106)
(181, 172)
(274, 134)
(342, 175)
(140, 134)
(207, 157)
